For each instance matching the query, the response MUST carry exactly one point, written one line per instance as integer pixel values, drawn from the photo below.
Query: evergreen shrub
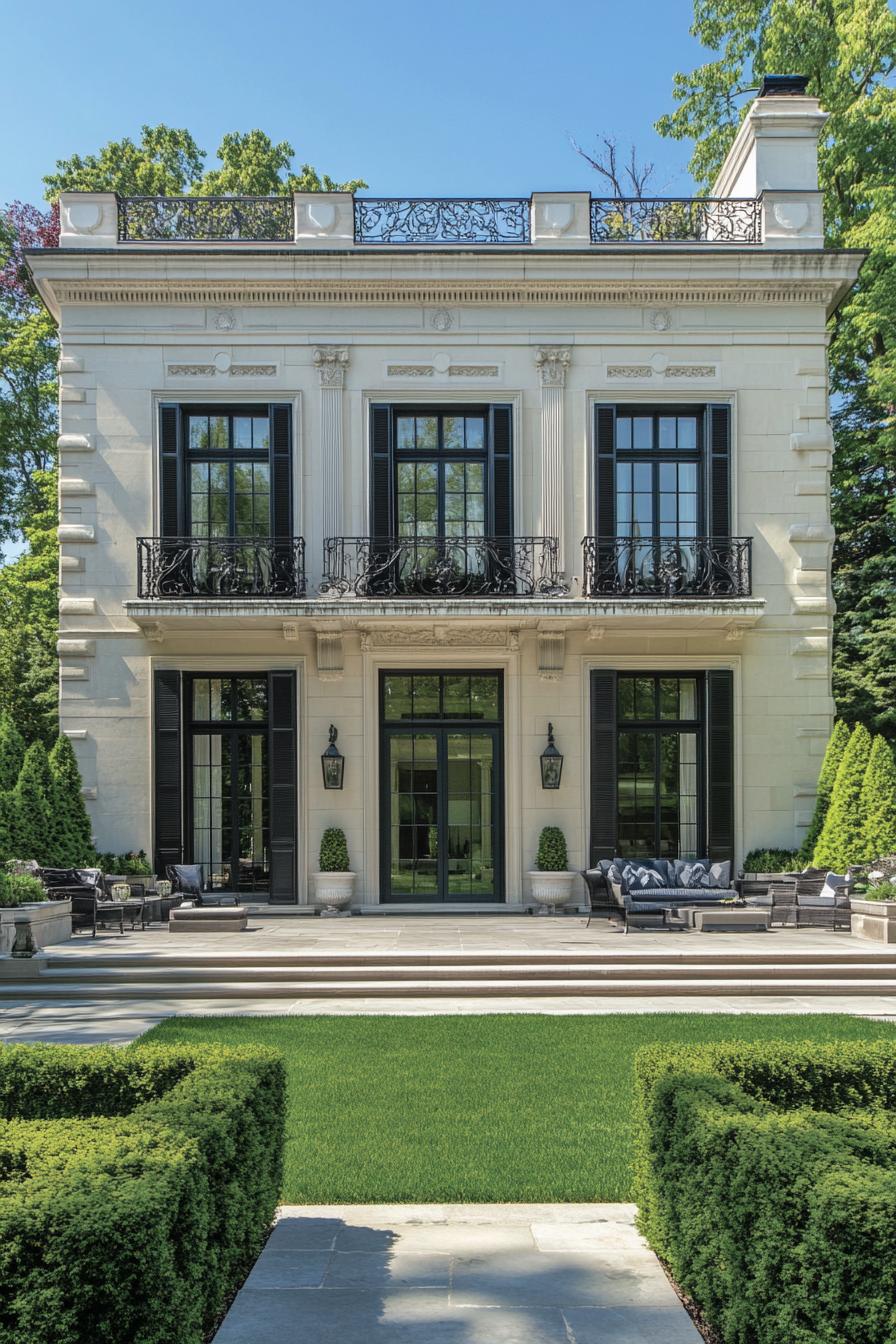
(773, 861)
(12, 753)
(136, 1188)
(133, 864)
(334, 851)
(766, 1179)
(551, 856)
(74, 840)
(878, 802)
(34, 831)
(830, 765)
(841, 842)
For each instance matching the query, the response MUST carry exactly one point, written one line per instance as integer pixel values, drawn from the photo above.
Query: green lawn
(494, 1108)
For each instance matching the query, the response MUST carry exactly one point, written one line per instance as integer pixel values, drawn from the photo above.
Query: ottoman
(208, 919)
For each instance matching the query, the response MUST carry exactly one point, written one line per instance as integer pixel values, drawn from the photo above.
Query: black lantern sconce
(551, 763)
(332, 763)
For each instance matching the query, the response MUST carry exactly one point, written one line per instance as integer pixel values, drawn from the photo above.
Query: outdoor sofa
(643, 889)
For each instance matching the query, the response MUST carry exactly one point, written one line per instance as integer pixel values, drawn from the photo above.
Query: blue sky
(420, 99)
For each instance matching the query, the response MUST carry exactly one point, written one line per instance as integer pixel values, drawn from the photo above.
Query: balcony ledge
(158, 617)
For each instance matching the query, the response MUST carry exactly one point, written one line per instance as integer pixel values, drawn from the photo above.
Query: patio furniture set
(107, 900)
(690, 894)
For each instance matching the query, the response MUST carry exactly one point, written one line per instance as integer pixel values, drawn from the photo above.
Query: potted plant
(873, 912)
(551, 880)
(50, 920)
(334, 884)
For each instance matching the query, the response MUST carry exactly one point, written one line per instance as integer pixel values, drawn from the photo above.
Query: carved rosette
(552, 362)
(331, 361)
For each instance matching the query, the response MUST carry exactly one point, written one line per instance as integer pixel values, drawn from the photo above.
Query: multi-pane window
(228, 474)
(440, 474)
(660, 782)
(658, 486)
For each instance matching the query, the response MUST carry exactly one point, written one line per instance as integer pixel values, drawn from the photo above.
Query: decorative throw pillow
(639, 878)
(721, 874)
(697, 875)
(831, 882)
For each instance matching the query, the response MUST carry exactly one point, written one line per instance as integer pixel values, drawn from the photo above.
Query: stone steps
(48, 988)
(78, 974)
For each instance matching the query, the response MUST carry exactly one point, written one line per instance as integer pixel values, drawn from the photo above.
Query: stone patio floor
(457, 1274)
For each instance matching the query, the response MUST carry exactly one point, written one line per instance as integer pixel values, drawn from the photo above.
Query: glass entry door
(229, 794)
(441, 787)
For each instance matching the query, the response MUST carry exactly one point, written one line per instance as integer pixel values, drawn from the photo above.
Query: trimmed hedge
(766, 1178)
(136, 1188)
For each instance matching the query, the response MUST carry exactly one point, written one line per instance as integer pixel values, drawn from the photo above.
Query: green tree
(832, 757)
(12, 753)
(34, 835)
(878, 802)
(28, 623)
(8, 814)
(75, 838)
(842, 836)
(847, 48)
(168, 162)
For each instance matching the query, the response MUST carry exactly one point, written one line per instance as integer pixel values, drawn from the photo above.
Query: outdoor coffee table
(729, 919)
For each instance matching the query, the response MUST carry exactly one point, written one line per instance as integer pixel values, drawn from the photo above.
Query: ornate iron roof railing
(698, 219)
(442, 567)
(205, 219)
(225, 567)
(667, 567)
(424, 221)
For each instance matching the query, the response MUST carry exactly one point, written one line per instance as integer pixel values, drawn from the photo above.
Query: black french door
(441, 787)
(228, 795)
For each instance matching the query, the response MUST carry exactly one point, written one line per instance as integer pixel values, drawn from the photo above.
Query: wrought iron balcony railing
(205, 219)
(442, 567)
(676, 220)
(226, 567)
(667, 567)
(424, 221)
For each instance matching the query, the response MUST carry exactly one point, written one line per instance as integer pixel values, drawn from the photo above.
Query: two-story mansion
(440, 473)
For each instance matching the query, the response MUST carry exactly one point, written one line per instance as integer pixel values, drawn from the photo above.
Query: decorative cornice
(331, 361)
(510, 292)
(552, 362)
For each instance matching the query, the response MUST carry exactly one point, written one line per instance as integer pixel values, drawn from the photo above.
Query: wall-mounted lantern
(551, 763)
(332, 763)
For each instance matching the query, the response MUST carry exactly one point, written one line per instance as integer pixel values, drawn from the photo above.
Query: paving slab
(457, 1274)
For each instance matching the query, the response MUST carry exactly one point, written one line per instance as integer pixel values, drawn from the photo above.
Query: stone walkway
(457, 1274)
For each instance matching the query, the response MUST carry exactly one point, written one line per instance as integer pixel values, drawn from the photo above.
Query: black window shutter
(719, 459)
(605, 438)
(169, 826)
(603, 764)
(281, 471)
(720, 764)
(381, 472)
(171, 520)
(501, 452)
(284, 792)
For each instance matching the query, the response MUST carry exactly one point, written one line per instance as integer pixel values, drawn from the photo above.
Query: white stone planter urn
(874, 920)
(552, 890)
(333, 892)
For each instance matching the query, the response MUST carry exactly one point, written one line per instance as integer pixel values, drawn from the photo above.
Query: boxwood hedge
(136, 1188)
(766, 1178)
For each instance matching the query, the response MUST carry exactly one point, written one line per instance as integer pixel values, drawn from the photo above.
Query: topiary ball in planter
(334, 884)
(552, 883)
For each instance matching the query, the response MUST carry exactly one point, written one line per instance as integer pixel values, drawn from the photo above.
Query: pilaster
(331, 361)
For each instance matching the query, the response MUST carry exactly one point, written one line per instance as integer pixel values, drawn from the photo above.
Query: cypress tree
(830, 765)
(842, 837)
(35, 823)
(74, 838)
(7, 826)
(878, 803)
(12, 753)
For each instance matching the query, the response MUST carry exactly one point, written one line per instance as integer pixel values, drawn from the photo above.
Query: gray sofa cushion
(674, 896)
